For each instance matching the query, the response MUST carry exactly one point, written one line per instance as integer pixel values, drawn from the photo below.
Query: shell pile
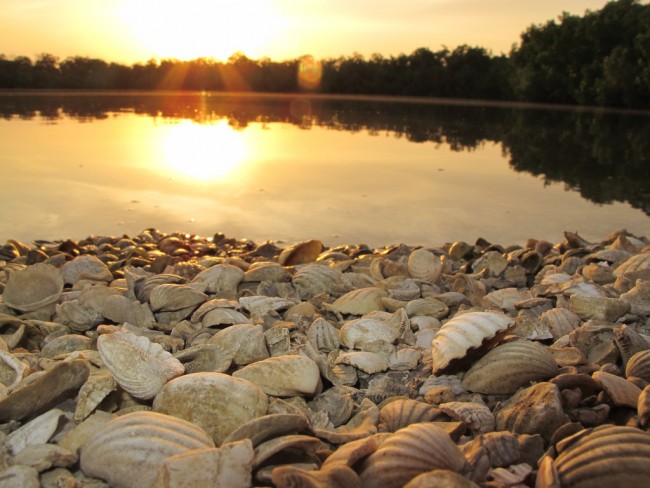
(173, 360)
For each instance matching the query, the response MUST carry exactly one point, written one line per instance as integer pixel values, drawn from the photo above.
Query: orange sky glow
(130, 31)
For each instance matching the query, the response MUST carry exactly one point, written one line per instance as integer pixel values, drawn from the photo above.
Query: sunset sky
(129, 31)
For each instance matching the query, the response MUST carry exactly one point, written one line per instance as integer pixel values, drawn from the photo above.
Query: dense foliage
(601, 58)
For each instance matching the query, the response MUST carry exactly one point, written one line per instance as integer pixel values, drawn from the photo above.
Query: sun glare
(203, 152)
(202, 28)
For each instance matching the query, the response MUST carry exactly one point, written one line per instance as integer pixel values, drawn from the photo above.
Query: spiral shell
(464, 332)
(402, 413)
(409, 452)
(510, 366)
(139, 366)
(34, 287)
(129, 450)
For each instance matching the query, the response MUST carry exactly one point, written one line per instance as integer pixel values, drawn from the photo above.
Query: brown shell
(510, 366)
(476, 416)
(606, 456)
(638, 262)
(301, 253)
(34, 287)
(331, 476)
(560, 321)
(639, 366)
(401, 413)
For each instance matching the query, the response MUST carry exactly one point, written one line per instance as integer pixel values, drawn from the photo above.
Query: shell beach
(171, 360)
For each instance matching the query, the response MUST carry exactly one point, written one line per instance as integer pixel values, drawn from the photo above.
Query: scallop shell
(283, 375)
(560, 321)
(639, 366)
(401, 413)
(630, 342)
(604, 457)
(424, 265)
(314, 279)
(464, 332)
(244, 342)
(139, 366)
(638, 262)
(85, 267)
(301, 253)
(129, 450)
(266, 271)
(332, 476)
(361, 301)
(440, 478)
(34, 287)
(166, 298)
(476, 416)
(356, 334)
(409, 452)
(323, 335)
(510, 366)
(221, 280)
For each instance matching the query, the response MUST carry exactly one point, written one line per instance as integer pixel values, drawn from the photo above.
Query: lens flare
(310, 72)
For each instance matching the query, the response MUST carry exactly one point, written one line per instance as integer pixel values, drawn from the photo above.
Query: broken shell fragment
(404, 412)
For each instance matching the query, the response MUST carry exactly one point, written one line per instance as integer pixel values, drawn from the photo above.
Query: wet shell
(323, 335)
(139, 366)
(167, 298)
(639, 366)
(34, 287)
(510, 366)
(476, 416)
(464, 332)
(314, 279)
(638, 262)
(283, 375)
(129, 450)
(409, 452)
(361, 301)
(560, 321)
(424, 265)
(402, 413)
(221, 279)
(301, 253)
(606, 456)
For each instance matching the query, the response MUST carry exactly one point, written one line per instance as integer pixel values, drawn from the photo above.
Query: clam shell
(401, 413)
(424, 265)
(510, 366)
(361, 301)
(129, 450)
(639, 366)
(464, 332)
(170, 297)
(323, 335)
(139, 366)
(244, 342)
(301, 253)
(476, 416)
(314, 279)
(283, 375)
(604, 457)
(221, 280)
(34, 287)
(85, 267)
(356, 334)
(409, 452)
(638, 262)
(216, 402)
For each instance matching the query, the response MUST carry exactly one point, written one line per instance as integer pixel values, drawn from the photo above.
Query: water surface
(293, 168)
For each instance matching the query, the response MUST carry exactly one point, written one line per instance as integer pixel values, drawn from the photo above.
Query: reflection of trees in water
(606, 157)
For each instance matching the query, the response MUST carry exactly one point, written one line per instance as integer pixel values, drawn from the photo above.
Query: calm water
(295, 168)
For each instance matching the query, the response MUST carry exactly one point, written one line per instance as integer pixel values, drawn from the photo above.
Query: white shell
(368, 362)
(283, 375)
(139, 366)
(361, 301)
(464, 332)
(424, 265)
(356, 334)
(34, 287)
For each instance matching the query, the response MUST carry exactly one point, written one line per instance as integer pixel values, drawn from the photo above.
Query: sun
(190, 29)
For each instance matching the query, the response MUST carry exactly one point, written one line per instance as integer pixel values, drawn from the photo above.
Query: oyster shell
(171, 297)
(33, 288)
(85, 267)
(139, 366)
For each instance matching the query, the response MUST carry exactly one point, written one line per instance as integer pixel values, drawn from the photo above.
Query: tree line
(600, 58)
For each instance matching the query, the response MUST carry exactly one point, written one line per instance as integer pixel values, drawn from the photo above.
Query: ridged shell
(267, 271)
(630, 342)
(283, 375)
(362, 424)
(506, 298)
(167, 298)
(332, 476)
(639, 366)
(361, 301)
(204, 358)
(560, 321)
(96, 388)
(509, 367)
(464, 332)
(402, 413)
(355, 334)
(606, 456)
(639, 298)
(34, 287)
(323, 335)
(139, 366)
(409, 452)
(222, 279)
(368, 362)
(129, 450)
(424, 265)
(314, 279)
(476, 416)
(638, 262)
(336, 402)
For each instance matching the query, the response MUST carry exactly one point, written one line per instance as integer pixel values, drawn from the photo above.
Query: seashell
(560, 321)
(428, 307)
(598, 274)
(65, 344)
(218, 316)
(425, 266)
(350, 453)
(359, 332)
(506, 448)
(638, 298)
(440, 478)
(85, 267)
(534, 410)
(267, 427)
(13, 330)
(33, 288)
(323, 335)
(506, 298)
(35, 432)
(216, 402)
(221, 280)
(619, 390)
(401, 413)
(598, 308)
(636, 263)
(309, 445)
(368, 362)
(460, 250)
(331, 476)
(444, 387)
(362, 424)
(77, 317)
(639, 366)
(230, 465)
(492, 262)
(259, 306)
(96, 388)
(336, 402)
(629, 342)
(170, 297)
(405, 290)
(266, 271)
(139, 366)
(12, 370)
(142, 286)
(404, 359)
(204, 358)
(509, 367)
(643, 407)
(244, 342)
(20, 475)
(120, 309)
(476, 416)
(361, 301)
(129, 450)
(315, 279)
(464, 332)
(409, 452)
(471, 288)
(301, 253)
(283, 375)
(603, 457)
